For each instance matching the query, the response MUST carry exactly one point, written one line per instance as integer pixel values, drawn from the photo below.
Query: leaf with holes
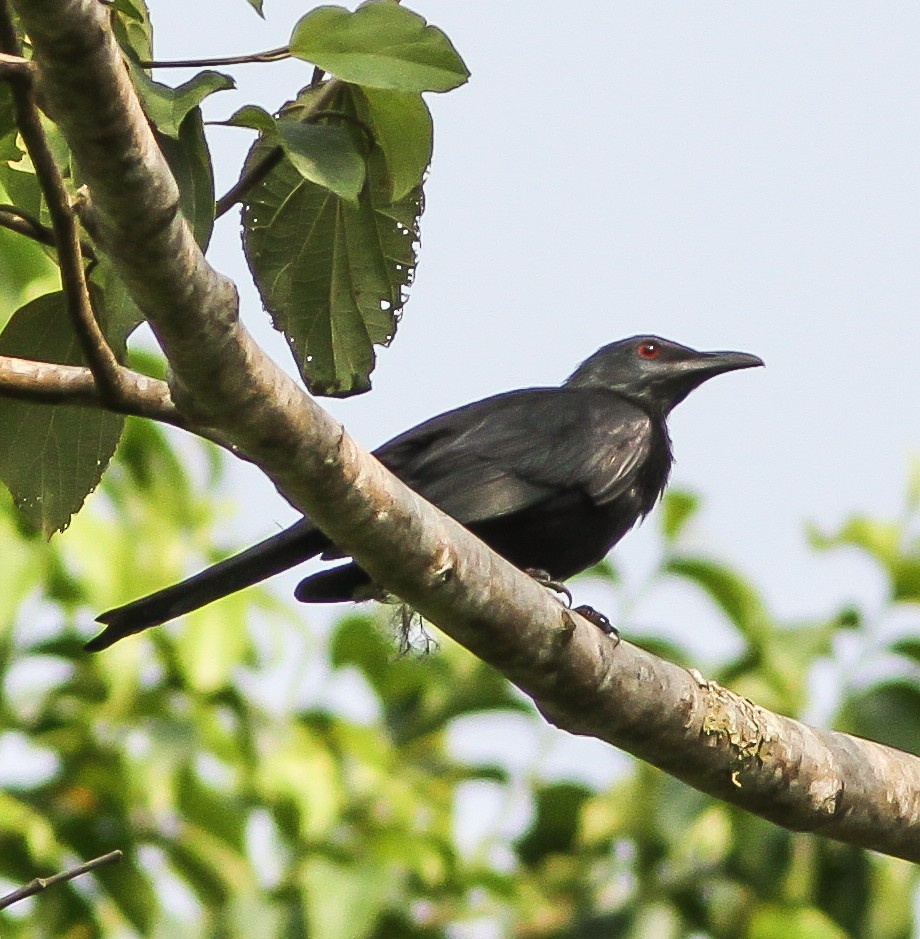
(332, 274)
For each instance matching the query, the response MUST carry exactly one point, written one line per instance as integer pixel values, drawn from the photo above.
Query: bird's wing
(517, 450)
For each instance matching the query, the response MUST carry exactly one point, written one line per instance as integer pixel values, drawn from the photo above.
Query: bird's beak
(684, 376)
(706, 365)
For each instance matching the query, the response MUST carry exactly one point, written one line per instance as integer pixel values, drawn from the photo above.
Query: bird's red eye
(649, 350)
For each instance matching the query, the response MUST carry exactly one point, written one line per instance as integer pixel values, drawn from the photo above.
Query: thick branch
(802, 778)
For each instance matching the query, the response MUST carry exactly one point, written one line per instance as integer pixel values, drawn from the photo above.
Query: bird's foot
(545, 579)
(599, 620)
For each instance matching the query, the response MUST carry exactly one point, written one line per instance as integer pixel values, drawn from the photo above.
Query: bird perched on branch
(550, 478)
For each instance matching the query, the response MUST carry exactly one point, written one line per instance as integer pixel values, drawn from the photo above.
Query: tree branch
(800, 777)
(96, 350)
(14, 219)
(15, 68)
(141, 395)
(43, 883)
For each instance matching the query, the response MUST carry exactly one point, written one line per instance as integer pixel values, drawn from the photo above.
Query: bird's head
(654, 372)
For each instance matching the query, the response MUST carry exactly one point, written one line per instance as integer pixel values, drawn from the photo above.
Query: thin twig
(272, 55)
(14, 219)
(250, 179)
(42, 883)
(96, 350)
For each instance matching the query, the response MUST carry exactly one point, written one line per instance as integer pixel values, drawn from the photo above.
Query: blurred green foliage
(247, 813)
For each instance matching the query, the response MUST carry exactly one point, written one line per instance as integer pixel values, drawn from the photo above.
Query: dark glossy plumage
(550, 478)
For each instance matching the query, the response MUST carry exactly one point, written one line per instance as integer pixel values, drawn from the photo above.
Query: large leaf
(51, 457)
(332, 274)
(381, 45)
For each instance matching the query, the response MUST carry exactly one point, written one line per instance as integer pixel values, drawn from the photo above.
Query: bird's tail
(342, 583)
(278, 553)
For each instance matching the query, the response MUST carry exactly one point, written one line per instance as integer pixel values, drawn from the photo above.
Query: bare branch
(803, 778)
(15, 68)
(14, 219)
(43, 883)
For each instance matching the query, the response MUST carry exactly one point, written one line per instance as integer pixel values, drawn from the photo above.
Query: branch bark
(800, 777)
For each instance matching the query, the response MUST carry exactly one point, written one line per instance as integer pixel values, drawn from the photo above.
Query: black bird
(550, 478)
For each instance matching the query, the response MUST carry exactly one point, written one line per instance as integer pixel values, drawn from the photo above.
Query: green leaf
(324, 154)
(333, 274)
(403, 130)
(112, 300)
(380, 45)
(556, 825)
(190, 161)
(344, 901)
(26, 271)
(132, 28)
(887, 713)
(51, 456)
(908, 647)
(881, 539)
(885, 541)
(214, 644)
(729, 590)
(7, 116)
(257, 6)
(168, 107)
(905, 579)
(677, 508)
(778, 921)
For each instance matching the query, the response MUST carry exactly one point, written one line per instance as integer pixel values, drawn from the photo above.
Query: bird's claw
(599, 620)
(545, 579)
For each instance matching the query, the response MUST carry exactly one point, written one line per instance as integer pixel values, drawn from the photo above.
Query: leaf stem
(271, 55)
